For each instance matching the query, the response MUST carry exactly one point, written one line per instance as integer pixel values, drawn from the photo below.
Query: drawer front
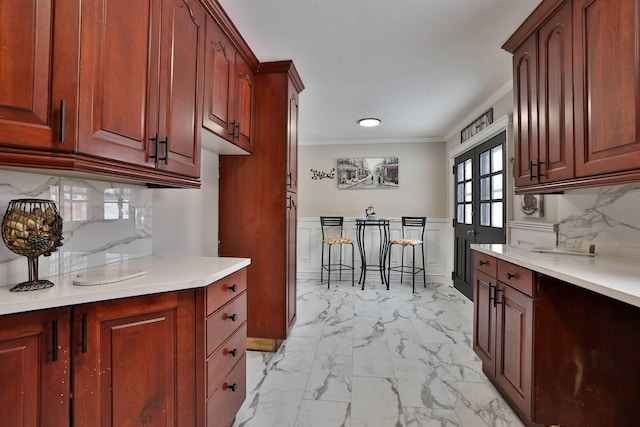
(223, 406)
(222, 323)
(485, 263)
(517, 277)
(220, 363)
(224, 290)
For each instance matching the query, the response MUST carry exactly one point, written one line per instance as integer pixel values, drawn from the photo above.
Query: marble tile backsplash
(99, 222)
(605, 216)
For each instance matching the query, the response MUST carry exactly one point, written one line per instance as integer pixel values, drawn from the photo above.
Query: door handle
(471, 233)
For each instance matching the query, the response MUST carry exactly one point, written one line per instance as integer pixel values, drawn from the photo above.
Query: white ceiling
(422, 66)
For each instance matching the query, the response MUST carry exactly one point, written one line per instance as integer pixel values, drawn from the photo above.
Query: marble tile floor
(374, 358)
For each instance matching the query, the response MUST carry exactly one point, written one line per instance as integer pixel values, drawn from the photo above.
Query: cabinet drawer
(222, 323)
(485, 263)
(223, 406)
(224, 290)
(220, 363)
(517, 277)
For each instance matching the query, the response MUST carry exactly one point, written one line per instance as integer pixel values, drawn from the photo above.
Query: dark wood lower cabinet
(134, 361)
(34, 369)
(559, 354)
(174, 359)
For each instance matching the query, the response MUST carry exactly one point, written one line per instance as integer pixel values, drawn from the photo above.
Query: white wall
(422, 181)
(185, 221)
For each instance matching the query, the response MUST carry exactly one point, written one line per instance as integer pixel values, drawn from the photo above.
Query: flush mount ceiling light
(369, 122)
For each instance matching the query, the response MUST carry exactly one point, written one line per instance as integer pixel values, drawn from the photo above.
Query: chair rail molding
(436, 244)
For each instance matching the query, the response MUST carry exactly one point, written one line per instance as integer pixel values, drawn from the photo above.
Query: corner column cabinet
(575, 95)
(258, 215)
(171, 359)
(228, 89)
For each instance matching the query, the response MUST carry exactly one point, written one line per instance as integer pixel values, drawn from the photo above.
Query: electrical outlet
(139, 219)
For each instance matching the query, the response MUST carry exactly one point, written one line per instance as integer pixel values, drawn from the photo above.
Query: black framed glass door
(480, 208)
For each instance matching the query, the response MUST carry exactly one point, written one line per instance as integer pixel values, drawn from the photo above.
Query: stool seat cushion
(406, 242)
(338, 240)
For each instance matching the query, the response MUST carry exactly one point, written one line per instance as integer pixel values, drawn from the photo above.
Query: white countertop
(164, 274)
(615, 277)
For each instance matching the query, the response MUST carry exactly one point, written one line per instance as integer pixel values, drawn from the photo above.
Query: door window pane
(460, 216)
(468, 195)
(460, 172)
(485, 188)
(468, 213)
(485, 163)
(467, 169)
(496, 214)
(460, 195)
(496, 187)
(485, 214)
(496, 159)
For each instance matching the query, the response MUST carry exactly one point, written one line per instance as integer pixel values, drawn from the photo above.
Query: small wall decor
(368, 173)
(477, 125)
(316, 174)
(532, 205)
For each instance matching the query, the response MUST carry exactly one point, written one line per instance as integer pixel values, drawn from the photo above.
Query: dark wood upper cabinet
(229, 85)
(181, 83)
(220, 60)
(606, 48)
(119, 80)
(243, 104)
(39, 54)
(555, 98)
(525, 97)
(576, 102)
(140, 83)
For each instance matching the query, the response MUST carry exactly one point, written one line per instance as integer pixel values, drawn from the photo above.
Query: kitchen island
(557, 334)
(166, 347)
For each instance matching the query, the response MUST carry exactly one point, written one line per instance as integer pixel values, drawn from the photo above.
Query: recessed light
(369, 122)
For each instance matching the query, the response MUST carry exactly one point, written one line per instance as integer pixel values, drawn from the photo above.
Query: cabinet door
(514, 346)
(34, 368)
(292, 139)
(218, 82)
(118, 113)
(525, 102)
(38, 72)
(606, 47)
(181, 76)
(243, 104)
(484, 318)
(134, 361)
(290, 259)
(555, 103)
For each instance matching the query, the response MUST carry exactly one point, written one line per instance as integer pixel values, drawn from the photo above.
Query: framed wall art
(368, 173)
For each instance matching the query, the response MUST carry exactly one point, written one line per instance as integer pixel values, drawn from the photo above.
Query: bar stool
(410, 225)
(332, 227)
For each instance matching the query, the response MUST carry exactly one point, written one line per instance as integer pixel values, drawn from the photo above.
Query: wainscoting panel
(310, 246)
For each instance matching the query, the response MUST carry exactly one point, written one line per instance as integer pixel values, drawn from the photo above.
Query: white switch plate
(139, 219)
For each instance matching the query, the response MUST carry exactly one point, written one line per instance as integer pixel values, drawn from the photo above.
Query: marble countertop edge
(615, 277)
(164, 274)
